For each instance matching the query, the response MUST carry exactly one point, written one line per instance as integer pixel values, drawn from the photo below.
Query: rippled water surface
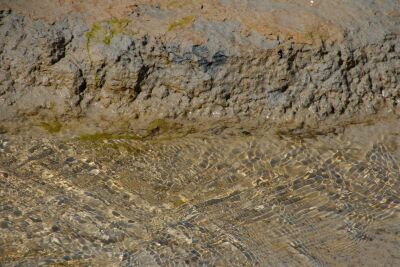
(202, 200)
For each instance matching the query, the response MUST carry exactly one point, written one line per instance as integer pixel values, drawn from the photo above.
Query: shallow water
(202, 200)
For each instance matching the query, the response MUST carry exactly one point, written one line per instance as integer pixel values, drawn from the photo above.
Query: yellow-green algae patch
(90, 35)
(185, 21)
(104, 32)
(117, 25)
(100, 137)
(177, 4)
(107, 30)
(156, 131)
(108, 140)
(52, 127)
(180, 201)
(96, 28)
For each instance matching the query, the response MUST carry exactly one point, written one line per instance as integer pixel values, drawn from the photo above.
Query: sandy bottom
(201, 200)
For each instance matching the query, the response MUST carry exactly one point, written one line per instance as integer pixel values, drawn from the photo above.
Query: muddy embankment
(127, 63)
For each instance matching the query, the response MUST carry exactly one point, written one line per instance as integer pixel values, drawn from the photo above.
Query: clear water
(203, 200)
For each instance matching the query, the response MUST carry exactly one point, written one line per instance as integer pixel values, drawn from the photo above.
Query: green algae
(107, 39)
(109, 140)
(158, 130)
(104, 32)
(175, 4)
(97, 80)
(94, 31)
(118, 26)
(115, 27)
(101, 137)
(52, 127)
(180, 202)
(183, 22)
(90, 35)
(154, 128)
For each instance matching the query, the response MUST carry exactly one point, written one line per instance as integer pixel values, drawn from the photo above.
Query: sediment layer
(273, 61)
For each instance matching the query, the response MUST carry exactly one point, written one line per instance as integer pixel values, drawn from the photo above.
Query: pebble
(95, 172)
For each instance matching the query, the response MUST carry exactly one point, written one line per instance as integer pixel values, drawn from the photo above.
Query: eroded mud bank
(115, 69)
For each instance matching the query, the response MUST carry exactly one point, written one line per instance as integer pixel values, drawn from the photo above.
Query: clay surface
(309, 62)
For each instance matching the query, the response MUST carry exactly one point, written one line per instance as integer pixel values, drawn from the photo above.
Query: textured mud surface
(219, 199)
(316, 62)
(140, 133)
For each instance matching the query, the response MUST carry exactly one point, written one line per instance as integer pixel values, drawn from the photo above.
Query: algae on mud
(100, 137)
(106, 31)
(52, 127)
(183, 22)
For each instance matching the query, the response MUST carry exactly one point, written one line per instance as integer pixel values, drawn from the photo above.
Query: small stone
(5, 224)
(55, 240)
(95, 172)
(35, 219)
(69, 160)
(67, 258)
(115, 213)
(260, 207)
(17, 213)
